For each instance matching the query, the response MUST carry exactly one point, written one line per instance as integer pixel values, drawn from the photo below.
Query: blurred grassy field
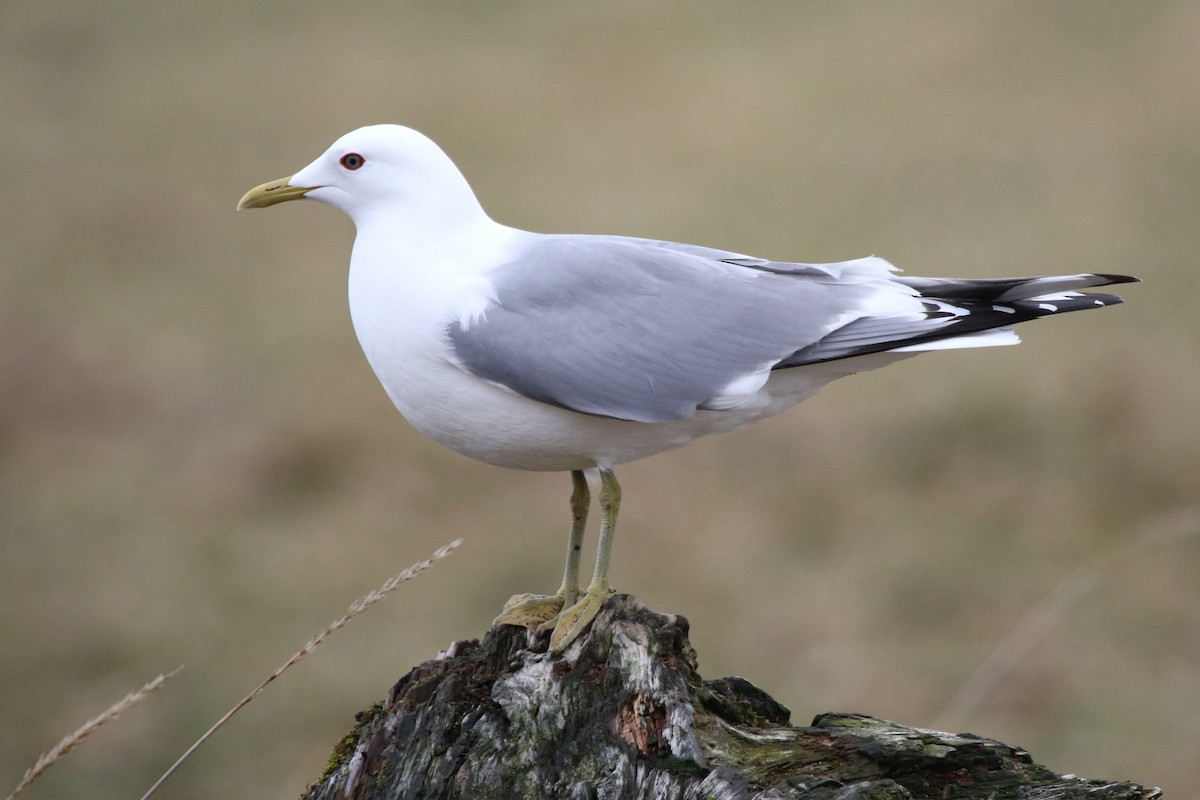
(197, 466)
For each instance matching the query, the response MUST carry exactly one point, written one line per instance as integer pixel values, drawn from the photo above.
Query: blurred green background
(198, 467)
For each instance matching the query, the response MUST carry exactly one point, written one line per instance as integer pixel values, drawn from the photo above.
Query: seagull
(577, 353)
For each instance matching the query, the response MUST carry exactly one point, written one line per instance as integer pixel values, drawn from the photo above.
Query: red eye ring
(352, 161)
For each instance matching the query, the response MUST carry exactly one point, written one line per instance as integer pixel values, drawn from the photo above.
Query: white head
(385, 170)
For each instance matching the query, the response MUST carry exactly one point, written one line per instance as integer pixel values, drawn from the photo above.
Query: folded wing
(652, 331)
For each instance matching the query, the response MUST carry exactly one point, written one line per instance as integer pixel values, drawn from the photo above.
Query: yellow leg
(575, 619)
(532, 611)
(581, 498)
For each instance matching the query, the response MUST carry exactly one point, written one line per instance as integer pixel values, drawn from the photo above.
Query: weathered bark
(624, 714)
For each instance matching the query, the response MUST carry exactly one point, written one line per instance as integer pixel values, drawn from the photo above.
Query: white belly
(492, 424)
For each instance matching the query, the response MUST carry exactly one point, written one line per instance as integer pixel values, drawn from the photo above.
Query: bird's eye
(352, 161)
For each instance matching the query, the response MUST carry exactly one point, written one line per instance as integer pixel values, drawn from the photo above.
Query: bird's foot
(574, 620)
(531, 611)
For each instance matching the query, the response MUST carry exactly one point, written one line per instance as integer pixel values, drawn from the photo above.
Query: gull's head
(386, 169)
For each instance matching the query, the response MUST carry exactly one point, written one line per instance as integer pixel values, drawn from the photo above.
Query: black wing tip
(1086, 300)
(1110, 278)
(1036, 307)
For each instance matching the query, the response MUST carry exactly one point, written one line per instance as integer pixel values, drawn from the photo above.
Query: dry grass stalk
(76, 737)
(1003, 659)
(357, 607)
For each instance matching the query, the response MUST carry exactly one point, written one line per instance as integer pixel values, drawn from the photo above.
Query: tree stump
(623, 713)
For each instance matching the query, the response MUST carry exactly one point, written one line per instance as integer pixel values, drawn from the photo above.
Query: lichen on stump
(623, 713)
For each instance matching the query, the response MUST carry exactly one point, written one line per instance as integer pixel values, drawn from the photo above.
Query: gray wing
(651, 331)
(643, 330)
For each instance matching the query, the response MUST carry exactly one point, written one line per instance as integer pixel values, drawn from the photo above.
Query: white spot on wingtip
(1004, 309)
(1048, 306)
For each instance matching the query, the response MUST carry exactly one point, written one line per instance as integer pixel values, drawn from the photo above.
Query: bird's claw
(530, 611)
(574, 620)
(539, 612)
